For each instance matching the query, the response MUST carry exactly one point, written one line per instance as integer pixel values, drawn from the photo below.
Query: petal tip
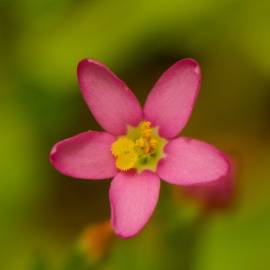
(127, 235)
(87, 62)
(193, 63)
(52, 154)
(227, 163)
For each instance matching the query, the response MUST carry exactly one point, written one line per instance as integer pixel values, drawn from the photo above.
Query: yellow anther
(146, 149)
(122, 145)
(153, 143)
(140, 142)
(126, 161)
(146, 129)
(147, 132)
(123, 150)
(145, 125)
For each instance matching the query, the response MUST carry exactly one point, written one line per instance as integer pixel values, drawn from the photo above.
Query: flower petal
(108, 98)
(216, 194)
(86, 155)
(169, 104)
(133, 199)
(190, 161)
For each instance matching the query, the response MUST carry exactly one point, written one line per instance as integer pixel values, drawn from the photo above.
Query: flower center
(141, 148)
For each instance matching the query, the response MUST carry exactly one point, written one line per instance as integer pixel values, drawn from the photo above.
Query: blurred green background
(43, 214)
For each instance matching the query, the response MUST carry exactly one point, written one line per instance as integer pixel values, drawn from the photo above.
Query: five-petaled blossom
(139, 146)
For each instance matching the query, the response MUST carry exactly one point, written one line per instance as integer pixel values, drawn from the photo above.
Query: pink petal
(190, 161)
(86, 155)
(216, 194)
(108, 98)
(133, 199)
(170, 103)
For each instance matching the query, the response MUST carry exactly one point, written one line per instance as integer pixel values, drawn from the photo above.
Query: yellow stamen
(123, 150)
(146, 129)
(153, 143)
(121, 146)
(146, 149)
(127, 161)
(132, 150)
(140, 142)
(145, 125)
(147, 133)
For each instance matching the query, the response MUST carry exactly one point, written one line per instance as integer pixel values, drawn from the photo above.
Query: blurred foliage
(43, 212)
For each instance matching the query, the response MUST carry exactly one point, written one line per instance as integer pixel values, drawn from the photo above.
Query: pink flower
(139, 147)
